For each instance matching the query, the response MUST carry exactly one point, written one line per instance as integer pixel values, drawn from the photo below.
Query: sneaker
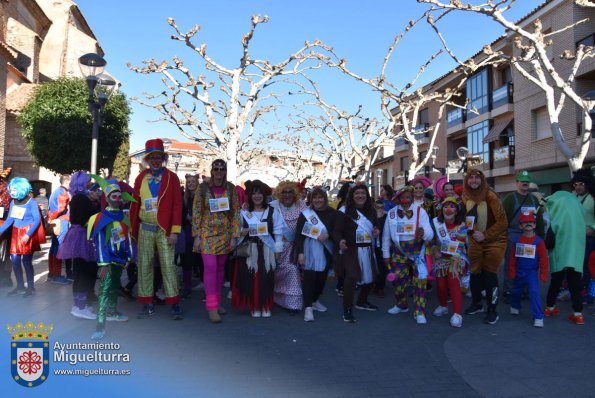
(61, 280)
(317, 306)
(147, 311)
(551, 311)
(308, 315)
(200, 286)
(17, 290)
(538, 323)
(491, 318)
(214, 316)
(116, 317)
(440, 310)
(229, 295)
(256, 314)
(85, 313)
(456, 321)
(366, 307)
(514, 311)
(176, 312)
(339, 292)
(421, 319)
(98, 334)
(577, 319)
(266, 314)
(397, 310)
(50, 278)
(348, 316)
(221, 311)
(474, 309)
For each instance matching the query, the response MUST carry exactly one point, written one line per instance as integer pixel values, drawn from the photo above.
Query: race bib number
(525, 251)
(405, 228)
(362, 236)
(449, 247)
(258, 229)
(117, 235)
(17, 212)
(219, 204)
(151, 205)
(311, 231)
(470, 222)
(528, 210)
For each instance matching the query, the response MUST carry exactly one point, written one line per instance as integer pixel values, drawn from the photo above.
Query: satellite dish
(462, 153)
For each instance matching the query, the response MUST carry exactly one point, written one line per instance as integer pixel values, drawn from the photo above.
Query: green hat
(523, 176)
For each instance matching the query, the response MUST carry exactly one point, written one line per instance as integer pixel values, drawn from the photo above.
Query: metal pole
(94, 139)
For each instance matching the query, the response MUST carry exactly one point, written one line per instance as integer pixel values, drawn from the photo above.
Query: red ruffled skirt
(34, 243)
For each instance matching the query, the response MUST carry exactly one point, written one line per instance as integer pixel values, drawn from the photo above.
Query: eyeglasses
(218, 168)
(287, 192)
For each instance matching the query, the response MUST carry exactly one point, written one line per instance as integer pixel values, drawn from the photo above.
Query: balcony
(502, 95)
(401, 144)
(421, 133)
(455, 116)
(503, 157)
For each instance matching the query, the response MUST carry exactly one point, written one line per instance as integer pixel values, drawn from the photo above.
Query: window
(424, 117)
(506, 75)
(542, 124)
(404, 163)
(478, 94)
(475, 136)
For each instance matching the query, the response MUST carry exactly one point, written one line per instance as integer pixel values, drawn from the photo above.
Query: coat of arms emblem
(29, 353)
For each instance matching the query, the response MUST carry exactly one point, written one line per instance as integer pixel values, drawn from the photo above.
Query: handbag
(243, 249)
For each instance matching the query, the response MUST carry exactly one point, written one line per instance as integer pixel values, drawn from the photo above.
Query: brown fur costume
(490, 218)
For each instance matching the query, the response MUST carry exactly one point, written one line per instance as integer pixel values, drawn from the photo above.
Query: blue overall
(527, 273)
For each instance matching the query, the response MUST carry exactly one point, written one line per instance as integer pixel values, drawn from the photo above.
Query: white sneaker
(317, 306)
(421, 319)
(515, 311)
(256, 314)
(266, 314)
(84, 314)
(397, 310)
(439, 311)
(308, 314)
(538, 323)
(456, 321)
(229, 294)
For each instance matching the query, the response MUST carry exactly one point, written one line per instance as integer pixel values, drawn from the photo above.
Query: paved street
(380, 356)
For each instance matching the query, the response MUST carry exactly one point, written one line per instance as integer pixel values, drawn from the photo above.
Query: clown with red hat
(156, 219)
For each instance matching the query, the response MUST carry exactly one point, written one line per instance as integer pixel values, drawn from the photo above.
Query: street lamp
(176, 157)
(101, 86)
(462, 153)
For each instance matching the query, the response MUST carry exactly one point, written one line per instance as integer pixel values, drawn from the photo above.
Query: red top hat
(527, 217)
(154, 145)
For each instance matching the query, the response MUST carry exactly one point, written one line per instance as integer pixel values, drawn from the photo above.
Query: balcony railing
(502, 95)
(455, 116)
(503, 156)
(421, 131)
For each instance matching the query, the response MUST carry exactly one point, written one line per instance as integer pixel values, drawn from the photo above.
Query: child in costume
(110, 230)
(27, 233)
(528, 262)
(450, 257)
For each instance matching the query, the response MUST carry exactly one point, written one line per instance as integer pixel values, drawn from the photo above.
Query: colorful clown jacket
(110, 231)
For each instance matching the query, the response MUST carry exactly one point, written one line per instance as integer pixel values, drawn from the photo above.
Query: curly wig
(283, 185)
(19, 188)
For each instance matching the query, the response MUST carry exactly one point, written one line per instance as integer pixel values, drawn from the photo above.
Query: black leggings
(313, 285)
(487, 281)
(574, 285)
(85, 275)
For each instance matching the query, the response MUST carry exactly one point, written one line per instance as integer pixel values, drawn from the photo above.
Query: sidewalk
(380, 356)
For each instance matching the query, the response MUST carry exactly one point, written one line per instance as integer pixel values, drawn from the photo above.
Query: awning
(498, 128)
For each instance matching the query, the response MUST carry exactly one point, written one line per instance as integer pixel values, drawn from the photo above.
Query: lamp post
(101, 85)
(462, 154)
(176, 157)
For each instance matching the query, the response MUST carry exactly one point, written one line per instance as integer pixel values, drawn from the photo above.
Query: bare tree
(221, 111)
(401, 105)
(555, 79)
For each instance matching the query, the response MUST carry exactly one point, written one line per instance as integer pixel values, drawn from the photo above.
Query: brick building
(510, 130)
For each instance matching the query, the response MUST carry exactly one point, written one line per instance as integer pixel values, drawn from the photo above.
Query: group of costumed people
(280, 245)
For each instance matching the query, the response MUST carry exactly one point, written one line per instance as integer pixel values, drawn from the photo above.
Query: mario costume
(156, 221)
